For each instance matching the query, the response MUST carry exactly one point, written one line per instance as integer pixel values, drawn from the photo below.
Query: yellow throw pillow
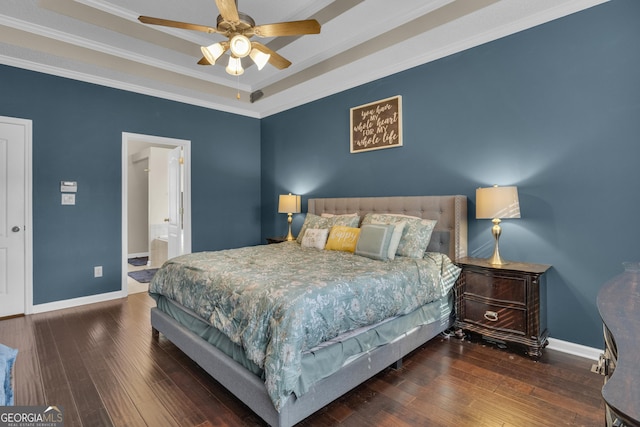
(342, 238)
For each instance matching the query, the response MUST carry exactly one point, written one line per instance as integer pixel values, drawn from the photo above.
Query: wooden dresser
(619, 306)
(504, 304)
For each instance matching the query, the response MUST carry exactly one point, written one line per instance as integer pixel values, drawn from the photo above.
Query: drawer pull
(491, 316)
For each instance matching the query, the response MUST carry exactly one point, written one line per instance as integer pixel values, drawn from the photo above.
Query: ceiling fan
(239, 27)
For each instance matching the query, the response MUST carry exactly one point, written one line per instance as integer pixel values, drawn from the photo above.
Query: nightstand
(278, 239)
(504, 304)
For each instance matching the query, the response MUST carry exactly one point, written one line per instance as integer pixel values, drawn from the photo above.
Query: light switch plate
(68, 199)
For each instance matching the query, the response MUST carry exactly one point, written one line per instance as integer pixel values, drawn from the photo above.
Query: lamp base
(290, 237)
(496, 259)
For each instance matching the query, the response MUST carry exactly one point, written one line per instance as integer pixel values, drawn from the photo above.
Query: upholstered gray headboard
(449, 235)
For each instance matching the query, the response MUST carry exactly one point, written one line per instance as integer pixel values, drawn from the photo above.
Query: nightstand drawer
(496, 287)
(495, 317)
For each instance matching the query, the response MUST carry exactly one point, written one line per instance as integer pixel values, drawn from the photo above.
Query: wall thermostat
(68, 187)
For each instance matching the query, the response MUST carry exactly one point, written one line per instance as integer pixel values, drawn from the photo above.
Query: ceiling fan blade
(228, 10)
(203, 61)
(275, 59)
(292, 28)
(176, 24)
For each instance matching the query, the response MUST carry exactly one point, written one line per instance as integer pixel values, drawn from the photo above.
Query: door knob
(15, 228)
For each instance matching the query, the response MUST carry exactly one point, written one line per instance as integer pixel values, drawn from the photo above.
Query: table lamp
(497, 203)
(289, 204)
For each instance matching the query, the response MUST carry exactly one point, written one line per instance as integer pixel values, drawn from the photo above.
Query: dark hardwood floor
(101, 364)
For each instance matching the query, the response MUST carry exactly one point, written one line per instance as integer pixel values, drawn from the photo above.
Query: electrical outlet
(97, 271)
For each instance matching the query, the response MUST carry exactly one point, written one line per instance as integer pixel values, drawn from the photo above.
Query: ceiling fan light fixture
(238, 28)
(259, 58)
(240, 46)
(235, 66)
(212, 52)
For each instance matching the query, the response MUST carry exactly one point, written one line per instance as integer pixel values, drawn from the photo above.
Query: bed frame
(449, 237)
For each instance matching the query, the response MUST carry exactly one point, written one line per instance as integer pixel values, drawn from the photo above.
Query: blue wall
(554, 110)
(77, 135)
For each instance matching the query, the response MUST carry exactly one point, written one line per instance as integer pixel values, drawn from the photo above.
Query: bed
(321, 366)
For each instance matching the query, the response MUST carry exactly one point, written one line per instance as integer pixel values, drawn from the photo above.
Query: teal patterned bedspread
(277, 301)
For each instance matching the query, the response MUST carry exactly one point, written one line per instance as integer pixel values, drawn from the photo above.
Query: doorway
(156, 204)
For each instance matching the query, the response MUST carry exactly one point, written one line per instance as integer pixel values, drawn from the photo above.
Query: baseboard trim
(574, 349)
(75, 302)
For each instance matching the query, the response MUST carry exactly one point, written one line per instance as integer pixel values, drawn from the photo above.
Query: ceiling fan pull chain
(238, 95)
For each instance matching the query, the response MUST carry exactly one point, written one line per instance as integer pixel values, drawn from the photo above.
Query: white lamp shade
(259, 58)
(497, 202)
(212, 52)
(240, 46)
(235, 66)
(289, 203)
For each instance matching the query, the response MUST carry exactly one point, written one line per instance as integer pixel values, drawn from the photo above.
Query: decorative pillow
(330, 215)
(374, 241)
(315, 221)
(315, 238)
(395, 238)
(342, 238)
(415, 236)
(7, 359)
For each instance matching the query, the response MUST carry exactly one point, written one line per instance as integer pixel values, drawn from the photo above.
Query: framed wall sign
(376, 125)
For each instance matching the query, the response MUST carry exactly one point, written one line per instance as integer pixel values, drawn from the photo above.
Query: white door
(176, 239)
(14, 137)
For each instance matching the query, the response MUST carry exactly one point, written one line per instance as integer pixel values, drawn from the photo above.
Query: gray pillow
(374, 241)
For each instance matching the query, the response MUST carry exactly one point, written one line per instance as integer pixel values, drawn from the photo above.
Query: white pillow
(315, 238)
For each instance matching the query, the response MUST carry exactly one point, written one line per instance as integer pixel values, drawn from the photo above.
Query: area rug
(143, 276)
(138, 261)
